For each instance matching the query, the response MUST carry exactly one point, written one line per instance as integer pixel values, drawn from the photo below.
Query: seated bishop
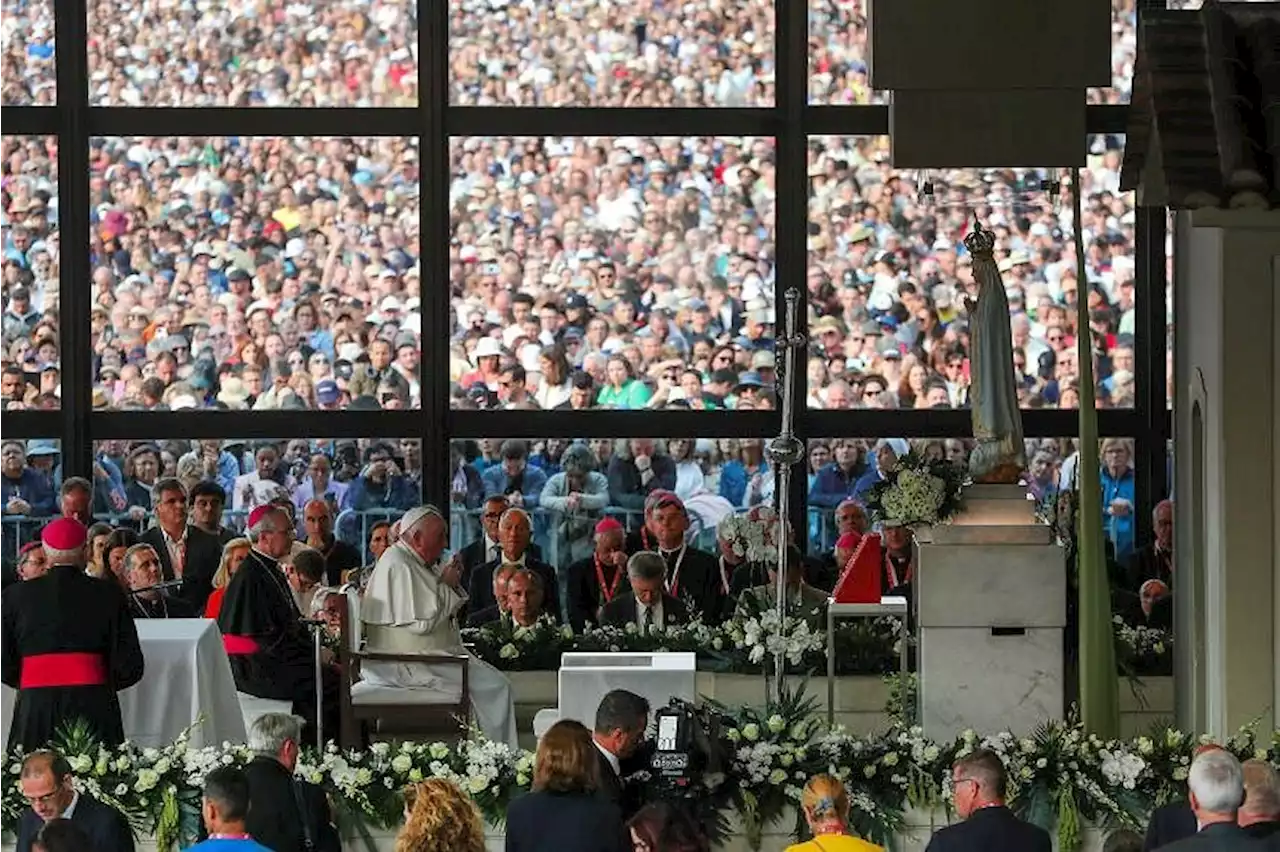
(601, 577)
(411, 606)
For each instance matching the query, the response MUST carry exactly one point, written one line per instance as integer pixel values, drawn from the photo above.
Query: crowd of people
(586, 272)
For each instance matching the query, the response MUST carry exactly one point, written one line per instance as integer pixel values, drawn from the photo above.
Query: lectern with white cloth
(187, 677)
(585, 678)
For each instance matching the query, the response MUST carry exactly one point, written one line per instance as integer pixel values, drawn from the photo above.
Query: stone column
(1227, 468)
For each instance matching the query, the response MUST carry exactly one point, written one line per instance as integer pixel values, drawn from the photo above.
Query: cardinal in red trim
(68, 645)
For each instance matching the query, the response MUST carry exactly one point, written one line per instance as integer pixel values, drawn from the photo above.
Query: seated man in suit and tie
(526, 601)
(802, 599)
(648, 604)
(622, 718)
(980, 785)
(501, 609)
(186, 552)
(47, 786)
(514, 533)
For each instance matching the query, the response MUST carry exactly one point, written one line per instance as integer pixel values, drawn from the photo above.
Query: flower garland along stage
(742, 644)
(1060, 777)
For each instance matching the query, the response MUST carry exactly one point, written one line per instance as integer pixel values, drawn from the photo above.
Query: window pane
(888, 323)
(838, 71)
(584, 53)
(638, 271)
(32, 475)
(31, 356)
(256, 273)
(26, 37)
(363, 482)
(349, 53)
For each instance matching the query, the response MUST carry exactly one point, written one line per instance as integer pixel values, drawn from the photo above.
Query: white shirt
(71, 808)
(655, 613)
(609, 756)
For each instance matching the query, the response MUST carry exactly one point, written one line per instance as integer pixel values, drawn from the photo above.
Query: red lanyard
(893, 572)
(617, 577)
(674, 588)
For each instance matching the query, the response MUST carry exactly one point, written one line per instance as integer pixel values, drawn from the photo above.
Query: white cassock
(407, 609)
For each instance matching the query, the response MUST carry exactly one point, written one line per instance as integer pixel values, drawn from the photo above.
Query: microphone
(158, 587)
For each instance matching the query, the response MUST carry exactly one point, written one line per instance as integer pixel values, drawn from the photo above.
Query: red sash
(63, 669)
(239, 645)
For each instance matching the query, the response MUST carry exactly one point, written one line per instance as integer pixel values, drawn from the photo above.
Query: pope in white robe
(410, 607)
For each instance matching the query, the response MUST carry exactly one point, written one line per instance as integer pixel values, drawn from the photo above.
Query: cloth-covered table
(187, 677)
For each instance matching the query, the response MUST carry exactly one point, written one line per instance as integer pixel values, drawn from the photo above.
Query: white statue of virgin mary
(1000, 456)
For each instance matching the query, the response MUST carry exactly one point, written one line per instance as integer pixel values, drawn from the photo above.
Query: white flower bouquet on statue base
(918, 492)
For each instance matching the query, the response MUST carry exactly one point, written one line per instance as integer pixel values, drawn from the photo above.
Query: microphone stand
(784, 453)
(316, 626)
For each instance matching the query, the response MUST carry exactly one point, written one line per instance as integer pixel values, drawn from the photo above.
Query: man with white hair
(1216, 782)
(411, 606)
(271, 651)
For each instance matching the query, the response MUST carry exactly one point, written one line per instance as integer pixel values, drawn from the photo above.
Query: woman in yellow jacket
(826, 809)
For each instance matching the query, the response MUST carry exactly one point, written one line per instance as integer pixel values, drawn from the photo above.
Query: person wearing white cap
(411, 607)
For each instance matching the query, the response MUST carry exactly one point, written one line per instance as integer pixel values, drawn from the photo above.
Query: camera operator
(622, 718)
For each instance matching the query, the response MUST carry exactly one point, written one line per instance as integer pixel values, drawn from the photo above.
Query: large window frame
(790, 121)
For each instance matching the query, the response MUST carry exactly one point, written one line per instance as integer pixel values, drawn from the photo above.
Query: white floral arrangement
(752, 535)
(1141, 640)
(1059, 775)
(762, 635)
(919, 491)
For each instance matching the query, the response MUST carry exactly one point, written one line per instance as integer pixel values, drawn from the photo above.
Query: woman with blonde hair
(233, 553)
(440, 818)
(826, 809)
(564, 813)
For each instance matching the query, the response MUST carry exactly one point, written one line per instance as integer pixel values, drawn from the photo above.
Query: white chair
(252, 708)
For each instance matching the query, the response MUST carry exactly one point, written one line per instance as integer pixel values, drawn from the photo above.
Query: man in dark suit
(1260, 814)
(514, 533)
(186, 552)
(286, 814)
(1216, 784)
(47, 786)
(648, 604)
(486, 548)
(1174, 821)
(622, 717)
(598, 579)
(980, 784)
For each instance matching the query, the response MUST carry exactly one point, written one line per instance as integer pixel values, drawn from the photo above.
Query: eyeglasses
(47, 799)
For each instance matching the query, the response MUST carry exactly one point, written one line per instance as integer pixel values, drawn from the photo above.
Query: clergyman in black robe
(272, 652)
(67, 644)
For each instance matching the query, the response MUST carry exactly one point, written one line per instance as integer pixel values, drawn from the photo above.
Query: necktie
(646, 618)
(178, 555)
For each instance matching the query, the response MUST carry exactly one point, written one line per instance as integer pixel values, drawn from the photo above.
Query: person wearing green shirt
(622, 389)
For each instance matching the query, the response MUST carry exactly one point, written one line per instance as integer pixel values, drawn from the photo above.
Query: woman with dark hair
(118, 543)
(96, 550)
(659, 827)
(564, 812)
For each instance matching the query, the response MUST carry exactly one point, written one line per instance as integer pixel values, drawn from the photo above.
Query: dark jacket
(106, 827)
(621, 611)
(204, 553)
(1218, 837)
(1169, 823)
(625, 488)
(991, 830)
(565, 822)
(480, 587)
(474, 555)
(274, 820)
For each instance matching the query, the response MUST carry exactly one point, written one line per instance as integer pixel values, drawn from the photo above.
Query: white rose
(401, 763)
(751, 732)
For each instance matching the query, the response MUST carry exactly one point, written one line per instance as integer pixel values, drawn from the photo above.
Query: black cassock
(68, 645)
(271, 651)
(164, 606)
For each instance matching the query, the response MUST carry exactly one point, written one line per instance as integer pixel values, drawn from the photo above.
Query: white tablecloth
(187, 676)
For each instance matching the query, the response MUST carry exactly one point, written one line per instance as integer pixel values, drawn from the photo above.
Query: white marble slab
(586, 678)
(1007, 585)
(970, 678)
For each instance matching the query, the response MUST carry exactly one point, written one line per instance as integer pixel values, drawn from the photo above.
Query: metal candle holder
(784, 453)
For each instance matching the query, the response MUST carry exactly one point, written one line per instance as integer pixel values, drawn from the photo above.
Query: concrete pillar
(1227, 468)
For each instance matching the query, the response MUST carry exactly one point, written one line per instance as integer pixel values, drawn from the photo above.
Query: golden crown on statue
(980, 241)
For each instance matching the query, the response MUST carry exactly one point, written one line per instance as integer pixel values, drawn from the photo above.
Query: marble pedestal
(991, 607)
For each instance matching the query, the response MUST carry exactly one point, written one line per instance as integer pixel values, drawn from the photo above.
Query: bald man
(515, 530)
(1155, 561)
(339, 556)
(411, 606)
